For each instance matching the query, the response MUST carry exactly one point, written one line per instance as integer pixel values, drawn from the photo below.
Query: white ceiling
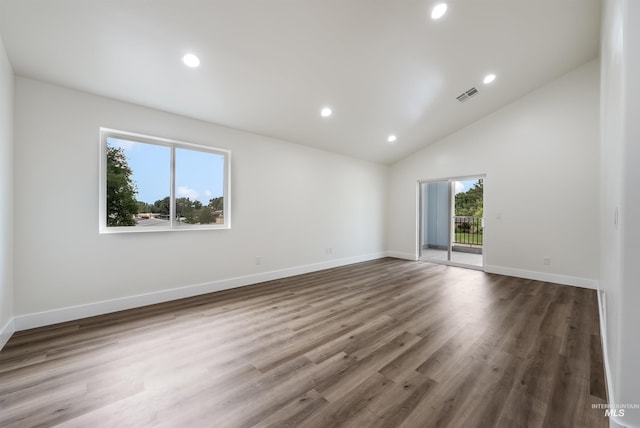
(268, 67)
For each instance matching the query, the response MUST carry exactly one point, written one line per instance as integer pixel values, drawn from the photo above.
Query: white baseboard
(543, 276)
(614, 421)
(605, 354)
(403, 256)
(614, 424)
(39, 319)
(6, 332)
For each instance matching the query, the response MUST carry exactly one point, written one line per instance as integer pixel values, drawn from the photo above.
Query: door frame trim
(420, 213)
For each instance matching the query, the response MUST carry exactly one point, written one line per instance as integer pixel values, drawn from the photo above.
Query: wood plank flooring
(387, 343)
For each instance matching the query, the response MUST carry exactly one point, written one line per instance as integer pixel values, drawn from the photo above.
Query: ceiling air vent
(466, 95)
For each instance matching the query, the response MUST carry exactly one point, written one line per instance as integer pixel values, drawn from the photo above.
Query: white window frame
(173, 145)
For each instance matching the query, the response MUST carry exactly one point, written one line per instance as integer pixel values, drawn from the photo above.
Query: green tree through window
(469, 203)
(121, 190)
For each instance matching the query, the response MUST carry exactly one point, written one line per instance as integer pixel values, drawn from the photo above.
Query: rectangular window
(155, 184)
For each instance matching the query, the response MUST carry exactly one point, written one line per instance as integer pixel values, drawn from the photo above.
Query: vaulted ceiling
(384, 67)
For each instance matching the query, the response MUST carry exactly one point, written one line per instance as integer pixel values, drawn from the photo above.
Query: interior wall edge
(401, 255)
(40, 319)
(544, 276)
(614, 422)
(6, 332)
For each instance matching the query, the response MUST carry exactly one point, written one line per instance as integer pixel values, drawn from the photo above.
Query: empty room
(309, 213)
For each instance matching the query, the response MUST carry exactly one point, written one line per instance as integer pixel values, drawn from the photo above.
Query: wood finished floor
(386, 343)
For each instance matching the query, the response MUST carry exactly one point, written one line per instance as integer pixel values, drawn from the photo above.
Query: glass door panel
(451, 221)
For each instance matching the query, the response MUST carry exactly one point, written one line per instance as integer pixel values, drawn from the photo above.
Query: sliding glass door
(452, 223)
(436, 212)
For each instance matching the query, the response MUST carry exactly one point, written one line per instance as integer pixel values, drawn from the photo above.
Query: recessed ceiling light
(489, 78)
(325, 112)
(191, 60)
(392, 138)
(438, 11)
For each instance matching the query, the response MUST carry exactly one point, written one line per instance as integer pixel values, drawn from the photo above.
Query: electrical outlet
(328, 251)
(547, 261)
(258, 260)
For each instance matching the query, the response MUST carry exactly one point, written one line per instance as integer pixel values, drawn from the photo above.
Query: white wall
(540, 157)
(620, 175)
(6, 197)
(289, 204)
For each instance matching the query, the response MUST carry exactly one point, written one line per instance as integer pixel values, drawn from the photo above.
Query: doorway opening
(452, 221)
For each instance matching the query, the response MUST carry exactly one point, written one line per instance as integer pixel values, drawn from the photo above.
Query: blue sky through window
(464, 185)
(199, 174)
